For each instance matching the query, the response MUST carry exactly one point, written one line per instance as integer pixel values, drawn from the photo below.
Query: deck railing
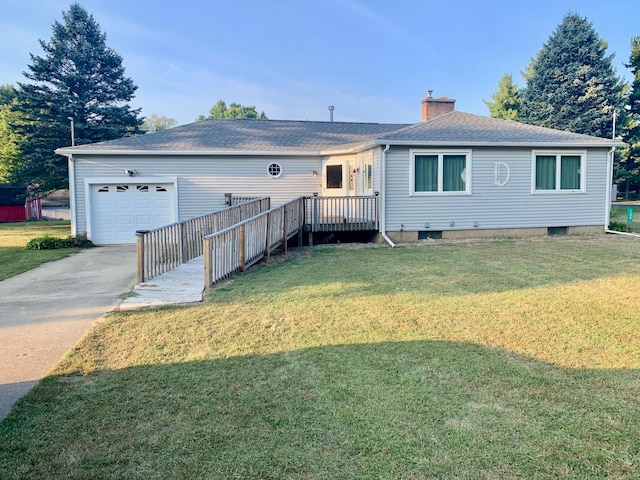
(165, 248)
(341, 214)
(234, 249)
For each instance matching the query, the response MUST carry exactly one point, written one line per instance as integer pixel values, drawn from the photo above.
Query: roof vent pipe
(331, 109)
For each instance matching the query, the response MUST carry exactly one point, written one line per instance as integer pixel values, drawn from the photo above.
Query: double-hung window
(438, 172)
(558, 172)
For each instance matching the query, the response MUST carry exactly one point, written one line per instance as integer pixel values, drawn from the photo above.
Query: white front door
(118, 210)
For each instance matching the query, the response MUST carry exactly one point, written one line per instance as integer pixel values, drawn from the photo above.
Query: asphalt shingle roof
(251, 136)
(244, 135)
(460, 127)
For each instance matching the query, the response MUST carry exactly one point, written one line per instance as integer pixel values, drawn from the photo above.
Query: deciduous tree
(78, 77)
(9, 139)
(155, 123)
(234, 110)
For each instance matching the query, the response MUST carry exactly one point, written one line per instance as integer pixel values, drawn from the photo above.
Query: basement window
(433, 235)
(556, 231)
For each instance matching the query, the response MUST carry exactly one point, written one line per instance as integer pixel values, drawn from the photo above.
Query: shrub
(618, 226)
(49, 243)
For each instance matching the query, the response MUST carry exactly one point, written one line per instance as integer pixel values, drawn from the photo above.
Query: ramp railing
(165, 248)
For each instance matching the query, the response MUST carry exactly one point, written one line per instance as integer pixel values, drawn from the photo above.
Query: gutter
(383, 196)
(72, 194)
(80, 151)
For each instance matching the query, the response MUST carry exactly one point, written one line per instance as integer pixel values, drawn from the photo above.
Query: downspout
(607, 217)
(72, 195)
(383, 196)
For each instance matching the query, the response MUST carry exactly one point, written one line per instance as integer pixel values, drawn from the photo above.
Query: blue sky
(371, 59)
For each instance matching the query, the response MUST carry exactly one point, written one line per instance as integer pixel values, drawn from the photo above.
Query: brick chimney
(435, 106)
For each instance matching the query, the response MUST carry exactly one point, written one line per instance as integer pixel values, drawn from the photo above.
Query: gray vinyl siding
(509, 206)
(377, 154)
(202, 181)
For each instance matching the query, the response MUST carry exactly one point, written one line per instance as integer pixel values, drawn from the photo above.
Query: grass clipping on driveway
(504, 359)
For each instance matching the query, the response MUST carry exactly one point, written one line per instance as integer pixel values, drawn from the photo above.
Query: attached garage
(117, 210)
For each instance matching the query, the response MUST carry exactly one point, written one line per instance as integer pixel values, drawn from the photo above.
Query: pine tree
(628, 166)
(79, 77)
(506, 101)
(571, 84)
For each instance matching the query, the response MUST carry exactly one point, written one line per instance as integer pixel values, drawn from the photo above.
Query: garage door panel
(103, 220)
(117, 211)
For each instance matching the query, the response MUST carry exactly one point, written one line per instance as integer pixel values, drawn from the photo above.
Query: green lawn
(488, 360)
(15, 258)
(619, 214)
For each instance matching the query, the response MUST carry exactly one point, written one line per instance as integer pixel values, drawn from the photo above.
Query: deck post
(284, 228)
(376, 208)
(140, 255)
(301, 220)
(268, 239)
(183, 243)
(207, 263)
(314, 218)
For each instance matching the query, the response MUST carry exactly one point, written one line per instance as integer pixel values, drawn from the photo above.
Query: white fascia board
(608, 144)
(356, 149)
(75, 151)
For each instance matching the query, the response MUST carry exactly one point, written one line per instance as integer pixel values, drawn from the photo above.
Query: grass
(505, 359)
(15, 258)
(619, 214)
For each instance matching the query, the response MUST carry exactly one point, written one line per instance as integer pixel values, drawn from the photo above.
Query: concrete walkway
(45, 311)
(185, 284)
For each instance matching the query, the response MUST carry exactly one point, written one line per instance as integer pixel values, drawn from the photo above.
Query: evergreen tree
(571, 84)
(80, 78)
(506, 101)
(628, 166)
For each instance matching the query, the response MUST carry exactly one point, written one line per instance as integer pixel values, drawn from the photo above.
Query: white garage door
(117, 211)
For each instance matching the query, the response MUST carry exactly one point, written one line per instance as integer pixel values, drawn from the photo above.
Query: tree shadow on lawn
(423, 409)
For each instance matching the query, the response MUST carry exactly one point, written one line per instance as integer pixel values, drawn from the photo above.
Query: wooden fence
(236, 248)
(165, 248)
(341, 214)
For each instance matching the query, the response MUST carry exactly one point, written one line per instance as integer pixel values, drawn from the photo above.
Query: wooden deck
(238, 236)
(341, 214)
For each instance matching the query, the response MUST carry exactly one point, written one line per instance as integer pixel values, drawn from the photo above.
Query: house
(451, 175)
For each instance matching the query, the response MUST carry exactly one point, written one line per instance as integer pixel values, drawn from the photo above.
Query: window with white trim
(440, 172)
(558, 172)
(367, 184)
(274, 170)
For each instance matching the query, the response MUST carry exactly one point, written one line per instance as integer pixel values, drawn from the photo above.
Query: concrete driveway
(45, 311)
